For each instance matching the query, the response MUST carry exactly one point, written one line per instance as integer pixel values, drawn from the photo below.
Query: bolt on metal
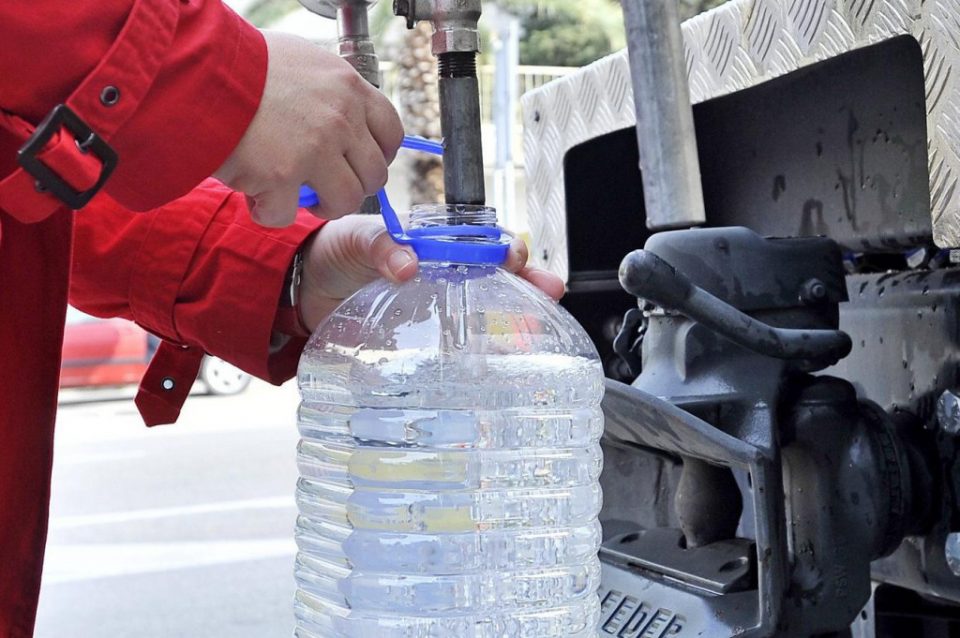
(952, 551)
(948, 412)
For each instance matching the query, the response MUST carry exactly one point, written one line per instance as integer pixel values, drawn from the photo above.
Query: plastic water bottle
(450, 459)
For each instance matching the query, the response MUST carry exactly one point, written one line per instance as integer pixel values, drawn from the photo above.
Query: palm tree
(419, 106)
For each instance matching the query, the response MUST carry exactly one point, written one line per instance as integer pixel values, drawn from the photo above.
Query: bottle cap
(462, 244)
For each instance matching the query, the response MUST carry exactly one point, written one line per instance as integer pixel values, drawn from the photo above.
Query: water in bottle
(450, 459)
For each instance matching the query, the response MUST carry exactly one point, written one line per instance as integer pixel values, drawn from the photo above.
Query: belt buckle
(87, 141)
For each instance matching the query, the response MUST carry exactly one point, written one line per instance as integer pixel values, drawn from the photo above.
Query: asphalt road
(182, 530)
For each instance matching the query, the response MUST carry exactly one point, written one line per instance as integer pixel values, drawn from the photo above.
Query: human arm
(196, 271)
(320, 124)
(188, 77)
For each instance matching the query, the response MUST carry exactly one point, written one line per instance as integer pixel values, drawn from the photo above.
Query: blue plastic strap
(436, 243)
(308, 197)
(465, 231)
(417, 143)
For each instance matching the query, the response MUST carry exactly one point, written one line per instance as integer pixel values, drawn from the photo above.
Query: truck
(782, 409)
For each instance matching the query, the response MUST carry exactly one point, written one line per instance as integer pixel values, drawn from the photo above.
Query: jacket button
(110, 95)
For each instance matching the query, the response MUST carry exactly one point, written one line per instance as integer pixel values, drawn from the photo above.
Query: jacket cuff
(224, 295)
(196, 111)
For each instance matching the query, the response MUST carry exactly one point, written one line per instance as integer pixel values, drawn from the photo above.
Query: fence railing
(528, 79)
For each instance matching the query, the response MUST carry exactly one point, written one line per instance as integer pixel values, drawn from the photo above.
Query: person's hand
(318, 123)
(346, 254)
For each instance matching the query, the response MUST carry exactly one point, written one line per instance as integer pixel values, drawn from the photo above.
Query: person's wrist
(289, 319)
(315, 303)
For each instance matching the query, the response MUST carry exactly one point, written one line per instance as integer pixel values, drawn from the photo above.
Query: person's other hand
(318, 123)
(346, 254)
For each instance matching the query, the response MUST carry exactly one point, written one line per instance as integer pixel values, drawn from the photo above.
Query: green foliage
(556, 32)
(577, 32)
(567, 32)
(563, 45)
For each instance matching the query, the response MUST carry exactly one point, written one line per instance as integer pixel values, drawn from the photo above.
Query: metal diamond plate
(738, 45)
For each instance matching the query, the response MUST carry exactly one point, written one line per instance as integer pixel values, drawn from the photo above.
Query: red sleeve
(189, 73)
(196, 271)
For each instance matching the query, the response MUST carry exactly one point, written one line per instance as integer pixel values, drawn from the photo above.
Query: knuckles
(377, 177)
(282, 171)
(347, 199)
(354, 197)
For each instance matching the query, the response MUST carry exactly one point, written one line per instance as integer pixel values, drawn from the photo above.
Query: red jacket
(171, 85)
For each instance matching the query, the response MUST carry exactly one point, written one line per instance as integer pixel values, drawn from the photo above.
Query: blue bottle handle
(436, 243)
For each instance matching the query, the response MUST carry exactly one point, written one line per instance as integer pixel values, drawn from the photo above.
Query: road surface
(182, 530)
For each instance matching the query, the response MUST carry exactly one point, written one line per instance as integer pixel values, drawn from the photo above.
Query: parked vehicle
(115, 352)
(783, 396)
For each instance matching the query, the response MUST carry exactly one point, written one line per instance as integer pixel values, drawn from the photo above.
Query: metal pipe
(463, 177)
(356, 47)
(456, 42)
(668, 148)
(355, 44)
(352, 21)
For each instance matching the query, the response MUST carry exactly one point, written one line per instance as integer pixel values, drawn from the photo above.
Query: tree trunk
(420, 111)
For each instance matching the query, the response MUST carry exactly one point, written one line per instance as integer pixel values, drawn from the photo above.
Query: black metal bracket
(649, 277)
(629, 339)
(635, 417)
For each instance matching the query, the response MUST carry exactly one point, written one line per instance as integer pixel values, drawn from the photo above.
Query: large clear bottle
(449, 460)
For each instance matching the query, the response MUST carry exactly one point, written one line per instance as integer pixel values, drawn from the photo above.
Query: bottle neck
(458, 234)
(433, 215)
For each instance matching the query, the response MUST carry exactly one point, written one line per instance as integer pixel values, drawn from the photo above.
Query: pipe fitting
(456, 41)
(455, 22)
(413, 10)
